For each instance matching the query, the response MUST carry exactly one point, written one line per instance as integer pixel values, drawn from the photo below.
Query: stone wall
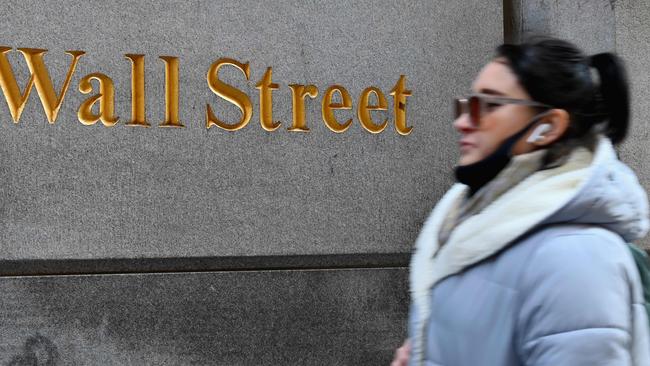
(131, 245)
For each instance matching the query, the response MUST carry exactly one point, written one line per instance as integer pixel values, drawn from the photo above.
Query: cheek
(472, 154)
(486, 144)
(498, 126)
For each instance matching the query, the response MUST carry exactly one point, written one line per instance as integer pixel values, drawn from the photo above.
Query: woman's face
(497, 122)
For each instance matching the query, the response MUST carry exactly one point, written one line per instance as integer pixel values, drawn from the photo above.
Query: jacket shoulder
(579, 255)
(576, 290)
(588, 244)
(542, 248)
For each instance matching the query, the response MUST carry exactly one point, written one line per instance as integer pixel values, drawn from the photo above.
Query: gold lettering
(364, 108)
(328, 106)
(138, 117)
(40, 77)
(299, 92)
(171, 92)
(229, 93)
(106, 98)
(399, 94)
(266, 87)
(16, 100)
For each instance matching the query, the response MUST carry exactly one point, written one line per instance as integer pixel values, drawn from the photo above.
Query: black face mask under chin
(478, 174)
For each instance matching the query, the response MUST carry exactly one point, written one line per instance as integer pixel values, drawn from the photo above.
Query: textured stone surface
(632, 32)
(588, 23)
(74, 191)
(334, 317)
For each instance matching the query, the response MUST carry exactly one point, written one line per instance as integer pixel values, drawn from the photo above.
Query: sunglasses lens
(458, 108)
(475, 110)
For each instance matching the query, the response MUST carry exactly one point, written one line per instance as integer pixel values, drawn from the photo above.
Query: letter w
(16, 100)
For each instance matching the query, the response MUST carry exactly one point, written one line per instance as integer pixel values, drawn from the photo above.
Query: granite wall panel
(588, 23)
(71, 191)
(318, 317)
(632, 32)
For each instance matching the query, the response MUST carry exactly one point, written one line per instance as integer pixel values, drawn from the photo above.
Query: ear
(558, 120)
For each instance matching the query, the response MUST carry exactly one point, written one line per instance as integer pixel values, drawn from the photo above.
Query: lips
(465, 146)
(465, 143)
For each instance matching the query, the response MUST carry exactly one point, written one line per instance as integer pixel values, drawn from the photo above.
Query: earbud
(539, 132)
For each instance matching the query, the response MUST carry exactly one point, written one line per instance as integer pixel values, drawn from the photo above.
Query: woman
(524, 261)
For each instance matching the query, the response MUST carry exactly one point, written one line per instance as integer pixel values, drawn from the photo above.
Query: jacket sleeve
(576, 303)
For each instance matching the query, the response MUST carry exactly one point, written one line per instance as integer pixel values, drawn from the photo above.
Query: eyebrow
(491, 91)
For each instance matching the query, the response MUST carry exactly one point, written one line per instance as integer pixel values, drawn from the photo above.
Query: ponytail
(614, 92)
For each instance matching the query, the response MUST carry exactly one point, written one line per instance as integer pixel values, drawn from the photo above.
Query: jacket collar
(515, 212)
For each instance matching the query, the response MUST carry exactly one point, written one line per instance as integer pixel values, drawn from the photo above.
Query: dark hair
(557, 73)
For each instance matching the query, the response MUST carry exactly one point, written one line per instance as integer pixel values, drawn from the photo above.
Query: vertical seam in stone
(508, 22)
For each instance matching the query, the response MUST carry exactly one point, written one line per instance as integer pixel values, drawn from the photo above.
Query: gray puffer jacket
(541, 276)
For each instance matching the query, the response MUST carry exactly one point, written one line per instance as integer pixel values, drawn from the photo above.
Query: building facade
(241, 183)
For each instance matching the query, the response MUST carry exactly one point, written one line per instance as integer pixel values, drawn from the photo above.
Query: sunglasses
(478, 104)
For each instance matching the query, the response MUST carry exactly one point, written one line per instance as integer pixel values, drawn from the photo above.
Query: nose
(463, 124)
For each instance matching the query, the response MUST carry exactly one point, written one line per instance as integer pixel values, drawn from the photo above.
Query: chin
(469, 155)
(467, 160)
